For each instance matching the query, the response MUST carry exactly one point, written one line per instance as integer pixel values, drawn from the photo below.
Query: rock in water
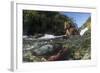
(45, 49)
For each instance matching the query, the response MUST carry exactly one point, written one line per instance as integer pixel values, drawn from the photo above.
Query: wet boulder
(43, 50)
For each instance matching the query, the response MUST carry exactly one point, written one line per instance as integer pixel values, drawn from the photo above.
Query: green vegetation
(40, 22)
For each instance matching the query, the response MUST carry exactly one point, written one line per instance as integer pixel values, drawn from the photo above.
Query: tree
(41, 22)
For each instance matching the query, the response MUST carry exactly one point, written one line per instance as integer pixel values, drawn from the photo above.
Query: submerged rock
(45, 49)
